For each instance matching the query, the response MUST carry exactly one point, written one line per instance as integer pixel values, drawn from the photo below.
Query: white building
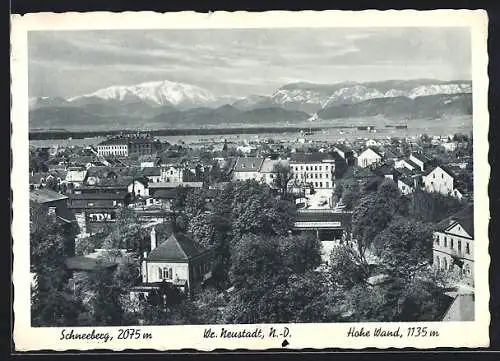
(117, 147)
(454, 244)
(172, 174)
(369, 157)
(406, 186)
(140, 189)
(76, 176)
(450, 146)
(441, 180)
(176, 259)
(316, 169)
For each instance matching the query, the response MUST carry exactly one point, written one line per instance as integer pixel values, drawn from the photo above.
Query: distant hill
(431, 106)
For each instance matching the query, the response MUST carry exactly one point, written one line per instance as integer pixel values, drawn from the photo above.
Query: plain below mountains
(168, 104)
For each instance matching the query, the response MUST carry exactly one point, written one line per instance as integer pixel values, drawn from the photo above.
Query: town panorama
(163, 202)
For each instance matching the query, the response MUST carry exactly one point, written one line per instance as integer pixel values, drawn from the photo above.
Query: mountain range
(171, 104)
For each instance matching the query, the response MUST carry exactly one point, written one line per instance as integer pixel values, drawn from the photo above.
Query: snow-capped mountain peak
(163, 92)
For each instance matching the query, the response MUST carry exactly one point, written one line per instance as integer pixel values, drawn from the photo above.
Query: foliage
(301, 253)
(432, 206)
(203, 229)
(404, 247)
(347, 267)
(283, 175)
(194, 203)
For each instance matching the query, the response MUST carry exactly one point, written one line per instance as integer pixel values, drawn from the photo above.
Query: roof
(159, 185)
(177, 247)
(169, 193)
(110, 195)
(248, 164)
(342, 148)
(321, 216)
(126, 140)
(46, 196)
(84, 263)
(448, 170)
(384, 169)
(373, 150)
(310, 157)
(269, 164)
(151, 171)
(464, 217)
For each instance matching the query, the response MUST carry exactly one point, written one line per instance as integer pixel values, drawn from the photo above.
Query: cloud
(241, 61)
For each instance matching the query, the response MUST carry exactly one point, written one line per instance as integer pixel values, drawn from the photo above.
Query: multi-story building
(123, 146)
(454, 243)
(268, 172)
(316, 169)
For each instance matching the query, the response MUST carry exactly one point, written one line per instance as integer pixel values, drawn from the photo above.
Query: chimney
(153, 238)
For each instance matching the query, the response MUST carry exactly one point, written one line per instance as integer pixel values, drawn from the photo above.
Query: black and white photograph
(260, 175)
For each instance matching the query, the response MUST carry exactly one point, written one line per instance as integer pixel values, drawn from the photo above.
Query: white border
(317, 336)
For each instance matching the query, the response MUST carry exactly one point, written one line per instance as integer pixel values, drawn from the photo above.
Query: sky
(241, 62)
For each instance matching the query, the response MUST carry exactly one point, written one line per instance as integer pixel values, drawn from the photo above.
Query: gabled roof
(45, 196)
(342, 147)
(465, 218)
(315, 157)
(373, 150)
(269, 164)
(248, 164)
(448, 170)
(177, 247)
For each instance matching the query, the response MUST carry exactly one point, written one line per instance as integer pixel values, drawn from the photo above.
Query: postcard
(251, 181)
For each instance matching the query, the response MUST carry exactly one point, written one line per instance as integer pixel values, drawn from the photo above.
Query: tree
(347, 267)
(202, 227)
(301, 253)
(194, 203)
(404, 247)
(432, 206)
(283, 174)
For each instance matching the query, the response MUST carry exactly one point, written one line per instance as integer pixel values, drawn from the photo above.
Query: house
(453, 246)
(56, 204)
(450, 146)
(172, 174)
(345, 152)
(442, 180)
(422, 160)
(76, 176)
(175, 258)
(407, 163)
(406, 185)
(371, 143)
(369, 157)
(267, 170)
(139, 188)
(153, 174)
(94, 210)
(314, 169)
(247, 168)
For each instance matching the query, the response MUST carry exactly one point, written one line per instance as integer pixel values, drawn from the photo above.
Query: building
(441, 179)
(247, 168)
(153, 174)
(268, 171)
(369, 157)
(56, 204)
(76, 176)
(94, 210)
(172, 174)
(345, 152)
(175, 258)
(139, 188)
(329, 226)
(406, 185)
(314, 169)
(123, 146)
(454, 243)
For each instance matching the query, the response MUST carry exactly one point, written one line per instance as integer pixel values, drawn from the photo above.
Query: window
(320, 167)
(433, 175)
(326, 167)
(307, 167)
(467, 248)
(170, 273)
(315, 167)
(445, 263)
(442, 176)
(327, 184)
(160, 273)
(459, 246)
(165, 273)
(445, 242)
(320, 176)
(90, 204)
(321, 184)
(451, 243)
(436, 239)
(316, 175)
(301, 167)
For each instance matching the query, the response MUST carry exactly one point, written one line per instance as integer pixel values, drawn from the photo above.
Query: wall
(179, 269)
